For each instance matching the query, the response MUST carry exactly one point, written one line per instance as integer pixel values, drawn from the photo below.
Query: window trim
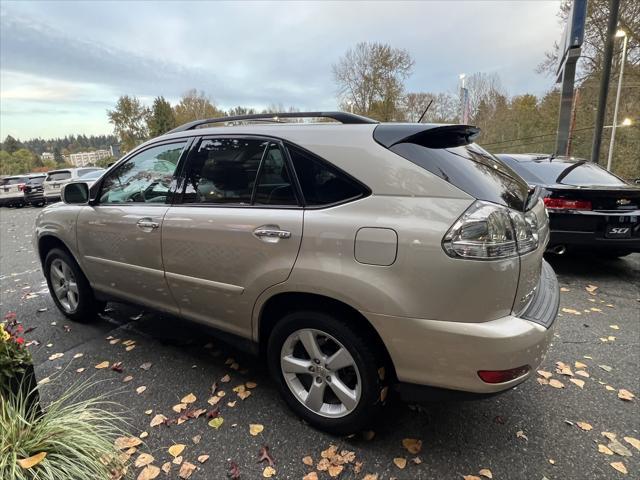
(95, 200)
(179, 194)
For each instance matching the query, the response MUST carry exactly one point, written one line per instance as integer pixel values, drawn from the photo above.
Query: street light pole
(619, 33)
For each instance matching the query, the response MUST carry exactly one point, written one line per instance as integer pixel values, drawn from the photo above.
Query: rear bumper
(34, 198)
(11, 200)
(593, 240)
(448, 355)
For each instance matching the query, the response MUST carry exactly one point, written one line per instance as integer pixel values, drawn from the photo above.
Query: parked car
(11, 190)
(91, 177)
(355, 256)
(56, 179)
(34, 191)
(590, 209)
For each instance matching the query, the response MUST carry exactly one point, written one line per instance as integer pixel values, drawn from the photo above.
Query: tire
(62, 271)
(367, 390)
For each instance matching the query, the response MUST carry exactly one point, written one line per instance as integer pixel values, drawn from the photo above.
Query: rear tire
(69, 288)
(345, 370)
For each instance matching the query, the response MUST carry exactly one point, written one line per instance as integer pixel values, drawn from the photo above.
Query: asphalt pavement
(531, 432)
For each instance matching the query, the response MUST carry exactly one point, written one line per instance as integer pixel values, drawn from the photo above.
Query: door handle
(271, 232)
(147, 223)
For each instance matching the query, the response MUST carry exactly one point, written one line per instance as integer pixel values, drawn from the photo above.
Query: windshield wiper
(568, 170)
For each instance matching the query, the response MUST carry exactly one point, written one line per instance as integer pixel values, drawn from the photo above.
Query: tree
(370, 79)
(233, 112)
(129, 121)
(195, 105)
(57, 155)
(444, 108)
(10, 144)
(161, 119)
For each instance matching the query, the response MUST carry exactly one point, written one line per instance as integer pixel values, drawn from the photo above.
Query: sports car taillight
(487, 231)
(566, 204)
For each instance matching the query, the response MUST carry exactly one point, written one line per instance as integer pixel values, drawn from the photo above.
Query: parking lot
(541, 429)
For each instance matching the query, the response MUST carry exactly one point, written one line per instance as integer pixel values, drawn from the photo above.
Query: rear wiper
(568, 170)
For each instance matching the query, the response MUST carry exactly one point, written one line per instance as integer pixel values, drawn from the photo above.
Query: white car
(11, 189)
(56, 179)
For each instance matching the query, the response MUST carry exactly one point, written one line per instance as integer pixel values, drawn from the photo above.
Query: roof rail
(343, 117)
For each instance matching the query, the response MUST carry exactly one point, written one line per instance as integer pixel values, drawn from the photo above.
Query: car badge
(623, 201)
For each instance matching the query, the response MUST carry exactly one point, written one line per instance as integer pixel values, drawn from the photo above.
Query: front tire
(69, 288)
(326, 370)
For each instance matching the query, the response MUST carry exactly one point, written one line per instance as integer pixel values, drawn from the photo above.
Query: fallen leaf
(32, 461)
(203, 458)
(416, 460)
(231, 404)
(158, 420)
(582, 373)
(615, 327)
(400, 462)
(579, 383)
(609, 435)
(370, 476)
(244, 395)
(140, 389)
(604, 449)
(634, 442)
(148, 412)
(308, 461)
(177, 460)
(126, 442)
(255, 428)
(176, 449)
(146, 366)
(225, 379)
(80, 370)
(128, 378)
(143, 460)
(591, 289)
(44, 381)
(571, 310)
(144, 435)
(179, 407)
(102, 365)
(56, 355)
(619, 466)
(216, 422)
(564, 289)
(580, 365)
(606, 368)
(268, 472)
(610, 388)
(251, 385)
(213, 400)
(485, 472)
(552, 461)
(186, 469)
(234, 471)
(335, 470)
(545, 374)
(619, 448)
(471, 477)
(584, 426)
(520, 434)
(412, 445)
(166, 467)
(189, 398)
(556, 383)
(149, 473)
(312, 476)
(264, 454)
(625, 395)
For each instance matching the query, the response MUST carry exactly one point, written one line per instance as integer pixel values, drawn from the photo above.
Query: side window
(274, 185)
(144, 178)
(223, 171)
(321, 183)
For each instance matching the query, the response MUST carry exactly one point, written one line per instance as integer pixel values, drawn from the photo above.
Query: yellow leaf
(203, 458)
(615, 327)
(604, 449)
(584, 426)
(179, 407)
(158, 420)
(625, 395)
(307, 461)
(244, 395)
(335, 470)
(239, 388)
(216, 422)
(175, 450)
(127, 442)
(143, 460)
(255, 428)
(580, 365)
(268, 472)
(582, 373)
(149, 473)
(329, 452)
(545, 374)
(177, 460)
(400, 462)
(186, 469)
(189, 398)
(470, 477)
(311, 476)
(485, 472)
(619, 466)
(102, 365)
(166, 467)
(556, 383)
(213, 400)
(578, 382)
(413, 445)
(32, 461)
(634, 442)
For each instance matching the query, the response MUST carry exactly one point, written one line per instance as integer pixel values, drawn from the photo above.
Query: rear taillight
(501, 376)
(566, 204)
(487, 231)
(21, 187)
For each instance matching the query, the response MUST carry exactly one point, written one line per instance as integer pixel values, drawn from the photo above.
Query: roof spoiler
(430, 136)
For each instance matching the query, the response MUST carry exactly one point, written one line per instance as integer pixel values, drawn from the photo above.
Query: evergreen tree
(161, 118)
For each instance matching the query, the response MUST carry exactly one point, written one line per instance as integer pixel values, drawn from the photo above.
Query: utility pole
(619, 33)
(573, 122)
(614, 7)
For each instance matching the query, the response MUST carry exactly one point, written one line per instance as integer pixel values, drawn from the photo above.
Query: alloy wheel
(64, 285)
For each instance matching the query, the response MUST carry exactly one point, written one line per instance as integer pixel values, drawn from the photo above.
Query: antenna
(425, 111)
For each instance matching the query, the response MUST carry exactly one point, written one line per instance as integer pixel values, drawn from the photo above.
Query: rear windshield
(547, 173)
(13, 180)
(36, 180)
(471, 169)
(57, 176)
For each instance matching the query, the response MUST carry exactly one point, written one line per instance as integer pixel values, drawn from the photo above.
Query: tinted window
(84, 171)
(58, 176)
(471, 169)
(93, 175)
(146, 177)
(586, 174)
(274, 185)
(223, 170)
(36, 180)
(14, 180)
(321, 183)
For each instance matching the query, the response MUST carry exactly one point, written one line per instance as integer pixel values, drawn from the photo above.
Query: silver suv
(356, 256)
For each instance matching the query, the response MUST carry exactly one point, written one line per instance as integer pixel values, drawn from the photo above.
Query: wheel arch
(282, 303)
(48, 242)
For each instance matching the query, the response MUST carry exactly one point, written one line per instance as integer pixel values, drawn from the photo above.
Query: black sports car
(589, 208)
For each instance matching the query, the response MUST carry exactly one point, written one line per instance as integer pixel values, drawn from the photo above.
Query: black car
(34, 191)
(589, 207)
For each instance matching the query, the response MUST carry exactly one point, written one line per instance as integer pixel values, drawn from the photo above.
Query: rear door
(119, 234)
(235, 232)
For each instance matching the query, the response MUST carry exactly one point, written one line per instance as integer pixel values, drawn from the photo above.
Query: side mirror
(76, 193)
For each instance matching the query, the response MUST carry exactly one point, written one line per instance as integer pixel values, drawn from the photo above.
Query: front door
(235, 232)
(119, 236)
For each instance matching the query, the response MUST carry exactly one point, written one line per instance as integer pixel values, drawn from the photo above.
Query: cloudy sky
(64, 63)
